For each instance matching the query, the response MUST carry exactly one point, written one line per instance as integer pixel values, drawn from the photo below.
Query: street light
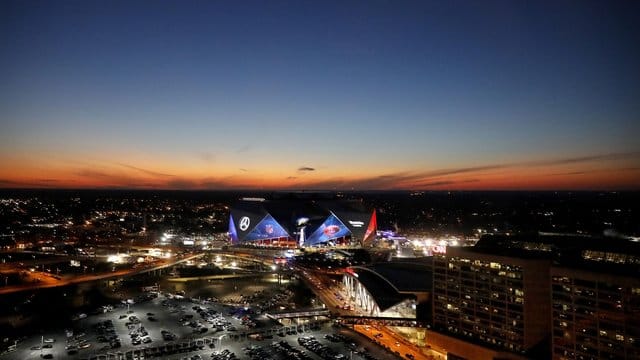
(220, 339)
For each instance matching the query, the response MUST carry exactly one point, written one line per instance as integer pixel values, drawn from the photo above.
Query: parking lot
(171, 327)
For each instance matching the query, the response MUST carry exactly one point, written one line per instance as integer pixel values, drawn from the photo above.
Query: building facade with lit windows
(538, 296)
(596, 306)
(492, 301)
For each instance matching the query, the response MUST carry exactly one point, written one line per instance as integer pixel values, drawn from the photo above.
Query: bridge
(53, 282)
(385, 321)
(298, 314)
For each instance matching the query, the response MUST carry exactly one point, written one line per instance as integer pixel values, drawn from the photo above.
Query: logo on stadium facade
(244, 223)
(331, 230)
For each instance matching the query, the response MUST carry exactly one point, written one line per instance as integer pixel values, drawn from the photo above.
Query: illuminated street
(45, 280)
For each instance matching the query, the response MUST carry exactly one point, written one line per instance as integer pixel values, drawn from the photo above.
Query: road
(326, 290)
(335, 297)
(385, 337)
(47, 281)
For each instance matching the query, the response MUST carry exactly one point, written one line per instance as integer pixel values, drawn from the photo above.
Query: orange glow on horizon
(132, 177)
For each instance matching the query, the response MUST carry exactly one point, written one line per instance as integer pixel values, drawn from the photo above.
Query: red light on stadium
(350, 272)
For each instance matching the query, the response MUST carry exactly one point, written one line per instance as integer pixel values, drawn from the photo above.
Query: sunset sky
(362, 95)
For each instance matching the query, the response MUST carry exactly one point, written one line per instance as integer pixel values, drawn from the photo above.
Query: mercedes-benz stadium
(301, 223)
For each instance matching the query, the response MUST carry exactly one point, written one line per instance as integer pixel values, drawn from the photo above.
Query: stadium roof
(285, 217)
(389, 283)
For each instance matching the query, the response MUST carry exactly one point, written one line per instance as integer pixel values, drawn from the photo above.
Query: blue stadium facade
(301, 223)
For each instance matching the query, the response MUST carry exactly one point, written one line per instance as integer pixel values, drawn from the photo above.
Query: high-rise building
(539, 296)
(596, 315)
(491, 300)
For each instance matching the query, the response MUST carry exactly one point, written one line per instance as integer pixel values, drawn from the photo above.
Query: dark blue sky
(232, 93)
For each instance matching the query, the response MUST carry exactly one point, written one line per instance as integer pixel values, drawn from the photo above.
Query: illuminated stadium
(301, 223)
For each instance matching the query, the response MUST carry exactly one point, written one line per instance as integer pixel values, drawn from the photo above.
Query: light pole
(220, 339)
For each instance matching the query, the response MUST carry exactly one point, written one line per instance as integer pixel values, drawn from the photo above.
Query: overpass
(94, 277)
(298, 314)
(385, 321)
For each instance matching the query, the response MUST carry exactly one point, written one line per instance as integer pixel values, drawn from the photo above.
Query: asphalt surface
(166, 315)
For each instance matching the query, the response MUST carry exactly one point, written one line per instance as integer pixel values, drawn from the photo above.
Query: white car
(49, 340)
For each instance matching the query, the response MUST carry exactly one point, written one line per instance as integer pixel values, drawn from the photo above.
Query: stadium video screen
(332, 228)
(268, 228)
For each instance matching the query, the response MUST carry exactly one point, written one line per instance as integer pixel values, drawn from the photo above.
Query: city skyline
(320, 95)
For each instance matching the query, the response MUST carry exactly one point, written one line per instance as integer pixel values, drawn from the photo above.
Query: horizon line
(309, 190)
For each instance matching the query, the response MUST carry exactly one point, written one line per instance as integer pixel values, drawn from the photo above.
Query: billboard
(331, 228)
(310, 222)
(268, 228)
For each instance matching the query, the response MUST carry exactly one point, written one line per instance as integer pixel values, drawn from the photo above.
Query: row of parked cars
(75, 343)
(223, 355)
(256, 352)
(107, 334)
(284, 348)
(312, 344)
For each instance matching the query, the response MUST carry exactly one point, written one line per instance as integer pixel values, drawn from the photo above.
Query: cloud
(243, 169)
(291, 177)
(451, 176)
(92, 173)
(306, 168)
(243, 149)
(446, 182)
(384, 182)
(207, 156)
(571, 173)
(11, 182)
(463, 170)
(148, 172)
(526, 164)
(36, 183)
(107, 180)
(181, 184)
(586, 159)
(215, 184)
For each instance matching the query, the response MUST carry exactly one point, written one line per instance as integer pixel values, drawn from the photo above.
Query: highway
(47, 281)
(333, 295)
(326, 290)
